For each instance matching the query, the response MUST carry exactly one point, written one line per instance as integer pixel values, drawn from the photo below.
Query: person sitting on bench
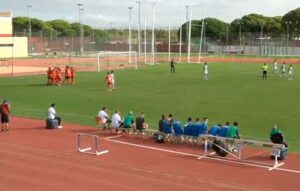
(116, 121)
(276, 136)
(51, 114)
(104, 118)
(140, 124)
(129, 121)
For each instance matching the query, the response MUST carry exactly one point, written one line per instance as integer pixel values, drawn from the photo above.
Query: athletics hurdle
(88, 150)
(239, 145)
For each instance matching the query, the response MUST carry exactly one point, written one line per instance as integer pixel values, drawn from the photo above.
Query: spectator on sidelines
(224, 129)
(188, 128)
(129, 121)
(276, 136)
(233, 131)
(116, 120)
(203, 125)
(52, 115)
(189, 122)
(215, 130)
(170, 118)
(104, 117)
(140, 124)
(161, 123)
(5, 110)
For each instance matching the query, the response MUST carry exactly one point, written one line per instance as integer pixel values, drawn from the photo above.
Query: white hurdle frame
(87, 150)
(239, 143)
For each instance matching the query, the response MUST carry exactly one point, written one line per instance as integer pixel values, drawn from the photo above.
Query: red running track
(34, 158)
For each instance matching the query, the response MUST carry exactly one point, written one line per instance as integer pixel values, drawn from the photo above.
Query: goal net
(112, 60)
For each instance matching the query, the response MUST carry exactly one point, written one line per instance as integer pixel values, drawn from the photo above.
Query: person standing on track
(5, 110)
(172, 64)
(205, 69)
(265, 71)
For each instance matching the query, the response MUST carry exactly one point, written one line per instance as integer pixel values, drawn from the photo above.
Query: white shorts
(103, 120)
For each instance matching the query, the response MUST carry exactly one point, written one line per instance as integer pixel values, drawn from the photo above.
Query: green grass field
(234, 92)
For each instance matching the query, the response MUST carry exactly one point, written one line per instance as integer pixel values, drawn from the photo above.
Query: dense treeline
(252, 23)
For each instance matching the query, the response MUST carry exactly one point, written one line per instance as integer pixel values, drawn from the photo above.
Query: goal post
(113, 60)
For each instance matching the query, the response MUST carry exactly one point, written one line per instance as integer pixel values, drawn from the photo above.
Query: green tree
(62, 27)
(213, 28)
(292, 19)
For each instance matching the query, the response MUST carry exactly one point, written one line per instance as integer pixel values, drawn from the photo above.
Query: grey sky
(101, 13)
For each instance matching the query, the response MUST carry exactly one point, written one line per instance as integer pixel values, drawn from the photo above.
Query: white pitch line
(194, 155)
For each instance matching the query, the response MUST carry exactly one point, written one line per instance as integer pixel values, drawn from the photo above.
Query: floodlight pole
(190, 31)
(200, 48)
(81, 31)
(129, 36)
(180, 35)
(169, 47)
(153, 34)
(139, 31)
(240, 34)
(261, 38)
(29, 27)
(187, 22)
(227, 26)
(81, 27)
(145, 34)
(287, 34)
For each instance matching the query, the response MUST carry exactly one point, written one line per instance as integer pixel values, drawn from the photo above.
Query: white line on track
(195, 155)
(255, 154)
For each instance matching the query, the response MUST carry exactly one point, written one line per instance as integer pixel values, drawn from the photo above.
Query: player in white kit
(275, 69)
(205, 68)
(283, 70)
(290, 72)
(113, 79)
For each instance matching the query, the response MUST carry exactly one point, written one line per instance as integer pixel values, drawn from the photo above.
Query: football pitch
(234, 92)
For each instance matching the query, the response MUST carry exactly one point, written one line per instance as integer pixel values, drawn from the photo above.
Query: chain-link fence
(231, 43)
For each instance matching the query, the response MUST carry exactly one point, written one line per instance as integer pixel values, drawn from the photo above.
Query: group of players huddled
(55, 76)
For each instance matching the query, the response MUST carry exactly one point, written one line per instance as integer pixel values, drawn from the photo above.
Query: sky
(115, 13)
